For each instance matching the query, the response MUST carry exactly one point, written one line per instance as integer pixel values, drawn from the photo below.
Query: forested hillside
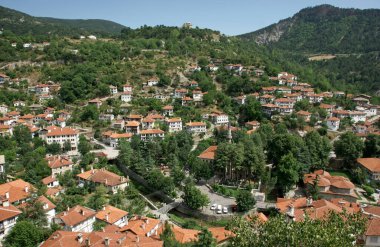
(22, 24)
(324, 29)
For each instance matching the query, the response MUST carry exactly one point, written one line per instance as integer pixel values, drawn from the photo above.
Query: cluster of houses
(77, 223)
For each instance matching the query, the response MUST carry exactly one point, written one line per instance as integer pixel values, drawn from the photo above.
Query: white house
(59, 165)
(8, 217)
(2, 164)
(113, 90)
(180, 93)
(106, 117)
(149, 134)
(196, 127)
(110, 180)
(197, 95)
(126, 96)
(127, 88)
(93, 37)
(219, 118)
(3, 109)
(168, 110)
(61, 135)
(153, 81)
(175, 124)
(112, 216)
(333, 123)
(76, 219)
(372, 234)
(114, 138)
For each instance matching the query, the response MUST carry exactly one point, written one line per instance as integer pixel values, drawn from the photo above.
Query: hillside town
(79, 224)
(183, 136)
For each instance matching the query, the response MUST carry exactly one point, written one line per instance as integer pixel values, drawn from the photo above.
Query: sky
(230, 17)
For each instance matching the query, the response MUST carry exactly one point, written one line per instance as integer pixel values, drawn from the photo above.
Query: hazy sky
(230, 17)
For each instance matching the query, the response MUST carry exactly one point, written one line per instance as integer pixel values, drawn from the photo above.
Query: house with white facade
(58, 135)
(76, 219)
(219, 118)
(150, 134)
(168, 110)
(112, 216)
(113, 90)
(180, 93)
(126, 96)
(333, 123)
(152, 82)
(371, 166)
(196, 127)
(59, 165)
(115, 138)
(110, 180)
(174, 124)
(127, 88)
(8, 217)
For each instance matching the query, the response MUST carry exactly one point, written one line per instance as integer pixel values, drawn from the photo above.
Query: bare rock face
(274, 32)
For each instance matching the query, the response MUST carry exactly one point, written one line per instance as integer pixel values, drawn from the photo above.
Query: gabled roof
(8, 212)
(151, 132)
(110, 214)
(76, 215)
(58, 161)
(209, 153)
(61, 131)
(372, 164)
(18, 190)
(140, 225)
(373, 228)
(103, 176)
(194, 124)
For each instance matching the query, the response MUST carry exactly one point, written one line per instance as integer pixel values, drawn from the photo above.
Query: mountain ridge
(323, 28)
(21, 23)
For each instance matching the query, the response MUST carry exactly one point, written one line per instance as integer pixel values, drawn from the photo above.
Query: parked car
(213, 207)
(219, 209)
(225, 210)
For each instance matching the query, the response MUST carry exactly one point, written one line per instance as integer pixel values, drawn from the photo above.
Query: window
(373, 239)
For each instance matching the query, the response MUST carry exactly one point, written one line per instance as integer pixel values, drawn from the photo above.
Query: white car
(219, 209)
(213, 207)
(225, 210)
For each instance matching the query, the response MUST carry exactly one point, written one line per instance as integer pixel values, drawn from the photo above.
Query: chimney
(88, 243)
(104, 208)
(137, 239)
(80, 238)
(143, 226)
(106, 182)
(146, 221)
(6, 195)
(291, 210)
(46, 206)
(6, 203)
(107, 217)
(26, 189)
(82, 212)
(107, 241)
(81, 170)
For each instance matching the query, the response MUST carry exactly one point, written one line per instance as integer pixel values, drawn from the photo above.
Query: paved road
(111, 152)
(215, 198)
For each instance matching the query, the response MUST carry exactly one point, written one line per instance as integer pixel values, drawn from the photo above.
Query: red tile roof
(209, 153)
(372, 164)
(76, 215)
(111, 214)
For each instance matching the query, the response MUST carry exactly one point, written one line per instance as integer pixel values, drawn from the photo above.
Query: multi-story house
(59, 165)
(110, 180)
(150, 134)
(180, 93)
(8, 217)
(132, 127)
(112, 216)
(61, 135)
(143, 226)
(371, 166)
(113, 90)
(333, 123)
(96, 102)
(17, 191)
(147, 123)
(42, 89)
(76, 219)
(196, 127)
(197, 95)
(168, 110)
(127, 88)
(126, 96)
(219, 118)
(186, 101)
(266, 99)
(115, 138)
(175, 124)
(152, 81)
(284, 102)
